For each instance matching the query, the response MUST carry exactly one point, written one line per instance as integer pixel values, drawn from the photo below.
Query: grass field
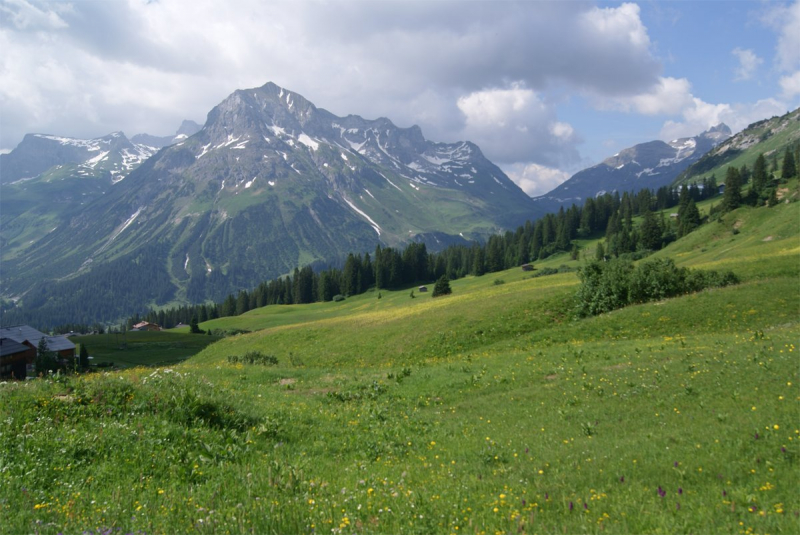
(492, 410)
(143, 348)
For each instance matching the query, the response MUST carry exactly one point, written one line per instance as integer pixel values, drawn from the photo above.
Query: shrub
(607, 286)
(338, 297)
(254, 357)
(657, 279)
(604, 286)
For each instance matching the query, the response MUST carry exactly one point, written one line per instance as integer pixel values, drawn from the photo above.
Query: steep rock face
(269, 183)
(648, 165)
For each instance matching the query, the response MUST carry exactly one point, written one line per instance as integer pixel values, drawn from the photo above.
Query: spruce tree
(650, 232)
(732, 198)
(760, 174)
(789, 169)
(599, 252)
(442, 287)
(688, 219)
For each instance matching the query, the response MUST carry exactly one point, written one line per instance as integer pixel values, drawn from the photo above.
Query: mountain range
(269, 183)
(648, 165)
(93, 230)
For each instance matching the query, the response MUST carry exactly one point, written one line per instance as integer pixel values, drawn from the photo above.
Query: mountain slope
(770, 137)
(271, 182)
(47, 179)
(646, 165)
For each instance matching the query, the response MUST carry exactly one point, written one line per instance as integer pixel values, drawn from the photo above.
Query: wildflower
(571, 506)
(678, 506)
(661, 492)
(680, 490)
(622, 479)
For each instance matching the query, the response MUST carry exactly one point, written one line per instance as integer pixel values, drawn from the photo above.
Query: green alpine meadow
(495, 409)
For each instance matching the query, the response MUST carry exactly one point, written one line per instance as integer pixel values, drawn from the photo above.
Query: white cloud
(786, 20)
(25, 16)
(701, 116)
(535, 179)
(748, 63)
(621, 24)
(790, 85)
(495, 108)
(562, 130)
(87, 68)
(515, 124)
(668, 96)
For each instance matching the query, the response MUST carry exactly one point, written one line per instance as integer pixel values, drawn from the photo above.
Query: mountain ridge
(270, 183)
(651, 164)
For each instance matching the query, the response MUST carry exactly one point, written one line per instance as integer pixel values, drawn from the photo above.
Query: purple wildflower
(680, 490)
(571, 506)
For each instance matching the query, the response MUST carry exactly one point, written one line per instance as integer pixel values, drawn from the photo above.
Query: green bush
(254, 357)
(338, 297)
(607, 286)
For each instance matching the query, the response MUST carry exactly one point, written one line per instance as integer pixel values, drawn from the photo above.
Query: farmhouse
(423, 289)
(527, 267)
(30, 337)
(145, 326)
(14, 358)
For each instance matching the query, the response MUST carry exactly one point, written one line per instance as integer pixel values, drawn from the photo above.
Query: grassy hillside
(143, 348)
(491, 410)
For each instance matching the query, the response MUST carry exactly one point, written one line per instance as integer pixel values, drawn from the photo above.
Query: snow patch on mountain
(362, 214)
(306, 140)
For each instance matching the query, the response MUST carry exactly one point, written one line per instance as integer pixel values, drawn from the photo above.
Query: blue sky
(544, 88)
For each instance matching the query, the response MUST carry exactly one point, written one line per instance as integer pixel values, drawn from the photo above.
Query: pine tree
(600, 252)
(732, 198)
(760, 174)
(688, 219)
(442, 287)
(650, 232)
(194, 328)
(789, 169)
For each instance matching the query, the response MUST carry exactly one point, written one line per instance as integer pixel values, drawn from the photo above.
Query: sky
(544, 88)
